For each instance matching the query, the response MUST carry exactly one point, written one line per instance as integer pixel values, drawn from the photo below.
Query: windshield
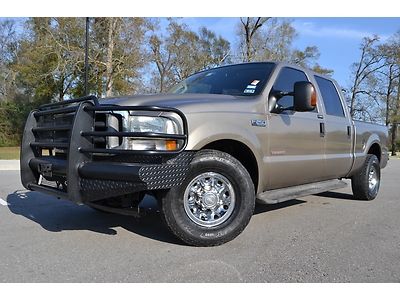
(239, 80)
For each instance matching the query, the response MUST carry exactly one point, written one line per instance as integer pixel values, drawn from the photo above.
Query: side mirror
(304, 96)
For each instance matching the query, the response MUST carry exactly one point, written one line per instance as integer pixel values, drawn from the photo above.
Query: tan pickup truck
(217, 142)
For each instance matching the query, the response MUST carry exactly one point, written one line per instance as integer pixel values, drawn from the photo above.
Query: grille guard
(78, 175)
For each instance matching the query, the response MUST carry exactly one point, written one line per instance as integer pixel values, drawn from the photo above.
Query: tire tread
(168, 219)
(359, 181)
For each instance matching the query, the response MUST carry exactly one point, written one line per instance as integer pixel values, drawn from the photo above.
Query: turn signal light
(171, 145)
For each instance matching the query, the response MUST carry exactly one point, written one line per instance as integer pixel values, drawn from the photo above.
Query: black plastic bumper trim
(111, 171)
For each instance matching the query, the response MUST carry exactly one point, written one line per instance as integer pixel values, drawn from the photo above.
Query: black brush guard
(78, 169)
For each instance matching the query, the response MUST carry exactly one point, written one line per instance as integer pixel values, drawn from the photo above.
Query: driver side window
(285, 83)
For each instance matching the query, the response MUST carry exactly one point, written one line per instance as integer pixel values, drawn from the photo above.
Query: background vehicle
(207, 150)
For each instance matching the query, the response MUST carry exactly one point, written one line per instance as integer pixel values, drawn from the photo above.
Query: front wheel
(215, 202)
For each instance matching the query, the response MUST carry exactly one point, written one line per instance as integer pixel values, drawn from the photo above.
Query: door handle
(322, 129)
(349, 131)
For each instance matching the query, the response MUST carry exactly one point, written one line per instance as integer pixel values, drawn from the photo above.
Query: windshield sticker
(255, 82)
(249, 91)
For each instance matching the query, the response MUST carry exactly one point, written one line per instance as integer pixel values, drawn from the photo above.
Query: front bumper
(86, 172)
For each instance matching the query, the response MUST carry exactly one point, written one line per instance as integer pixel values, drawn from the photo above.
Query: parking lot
(321, 238)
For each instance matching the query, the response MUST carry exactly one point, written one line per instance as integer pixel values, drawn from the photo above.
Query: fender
(207, 133)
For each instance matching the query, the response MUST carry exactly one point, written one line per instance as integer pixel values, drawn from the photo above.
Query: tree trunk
(109, 58)
(248, 47)
(61, 94)
(388, 94)
(162, 83)
(393, 139)
(61, 90)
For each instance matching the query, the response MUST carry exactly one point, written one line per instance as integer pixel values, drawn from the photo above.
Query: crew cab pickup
(207, 150)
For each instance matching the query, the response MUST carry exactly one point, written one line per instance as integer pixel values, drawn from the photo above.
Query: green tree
(51, 57)
(117, 55)
(214, 50)
(43, 62)
(181, 52)
(8, 49)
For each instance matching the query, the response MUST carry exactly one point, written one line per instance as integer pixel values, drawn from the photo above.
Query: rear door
(295, 148)
(337, 148)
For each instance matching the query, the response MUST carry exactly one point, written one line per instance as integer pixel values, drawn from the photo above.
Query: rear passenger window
(332, 103)
(285, 83)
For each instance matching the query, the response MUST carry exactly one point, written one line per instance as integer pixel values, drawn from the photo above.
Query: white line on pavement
(9, 165)
(3, 202)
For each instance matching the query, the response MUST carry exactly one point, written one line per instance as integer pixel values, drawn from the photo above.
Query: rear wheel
(215, 202)
(365, 184)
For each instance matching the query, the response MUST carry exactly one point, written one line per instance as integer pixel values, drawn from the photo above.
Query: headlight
(168, 124)
(152, 124)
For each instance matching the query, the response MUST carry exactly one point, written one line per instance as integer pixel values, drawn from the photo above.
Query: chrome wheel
(373, 180)
(209, 199)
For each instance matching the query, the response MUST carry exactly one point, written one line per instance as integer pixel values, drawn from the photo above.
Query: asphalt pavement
(321, 238)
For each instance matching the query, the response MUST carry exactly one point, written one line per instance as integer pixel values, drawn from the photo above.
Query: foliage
(263, 39)
(181, 52)
(117, 55)
(12, 120)
(375, 91)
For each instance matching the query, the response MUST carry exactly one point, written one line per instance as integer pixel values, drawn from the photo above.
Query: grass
(9, 152)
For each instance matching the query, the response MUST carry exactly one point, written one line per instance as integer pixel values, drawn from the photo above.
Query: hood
(185, 102)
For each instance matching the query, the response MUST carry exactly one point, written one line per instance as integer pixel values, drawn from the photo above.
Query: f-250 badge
(259, 123)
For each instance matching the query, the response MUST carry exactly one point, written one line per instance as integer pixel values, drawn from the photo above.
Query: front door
(295, 145)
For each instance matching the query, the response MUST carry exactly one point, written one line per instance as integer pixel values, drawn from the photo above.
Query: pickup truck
(207, 150)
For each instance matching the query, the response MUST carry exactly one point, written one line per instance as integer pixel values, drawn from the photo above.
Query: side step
(284, 194)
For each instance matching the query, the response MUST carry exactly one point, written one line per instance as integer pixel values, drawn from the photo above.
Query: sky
(338, 39)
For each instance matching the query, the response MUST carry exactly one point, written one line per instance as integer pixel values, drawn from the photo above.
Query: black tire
(178, 220)
(360, 182)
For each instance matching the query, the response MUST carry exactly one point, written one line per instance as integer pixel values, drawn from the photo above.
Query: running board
(284, 194)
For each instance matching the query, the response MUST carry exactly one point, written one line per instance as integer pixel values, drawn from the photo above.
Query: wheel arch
(375, 149)
(242, 153)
